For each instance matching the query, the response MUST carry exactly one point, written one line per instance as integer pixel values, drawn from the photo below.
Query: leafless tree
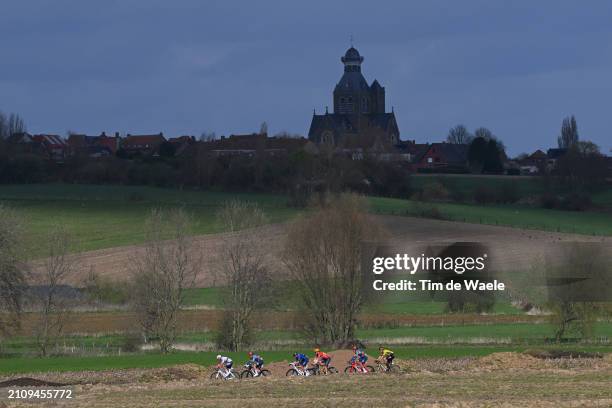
(12, 270)
(52, 306)
(459, 135)
(3, 126)
(569, 133)
(16, 124)
(243, 271)
(161, 273)
(263, 129)
(323, 251)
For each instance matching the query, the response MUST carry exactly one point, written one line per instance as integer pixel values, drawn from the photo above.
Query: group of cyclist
(321, 359)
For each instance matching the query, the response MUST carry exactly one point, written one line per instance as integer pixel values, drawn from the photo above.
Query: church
(359, 119)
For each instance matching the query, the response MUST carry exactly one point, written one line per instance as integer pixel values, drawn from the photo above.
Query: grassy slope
(587, 222)
(108, 216)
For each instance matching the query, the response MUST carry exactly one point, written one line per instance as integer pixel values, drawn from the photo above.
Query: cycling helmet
(316, 350)
(218, 356)
(250, 354)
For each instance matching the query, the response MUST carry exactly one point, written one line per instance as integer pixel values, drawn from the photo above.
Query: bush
(427, 211)
(549, 201)
(131, 343)
(483, 195)
(224, 338)
(508, 193)
(575, 202)
(434, 192)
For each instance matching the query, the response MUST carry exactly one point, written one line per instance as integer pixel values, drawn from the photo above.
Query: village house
(443, 157)
(93, 146)
(142, 145)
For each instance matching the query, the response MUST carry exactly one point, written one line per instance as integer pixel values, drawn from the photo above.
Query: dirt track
(512, 247)
(502, 379)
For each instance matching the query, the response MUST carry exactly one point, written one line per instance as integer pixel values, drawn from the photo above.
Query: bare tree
(244, 272)
(52, 306)
(323, 252)
(161, 273)
(12, 270)
(16, 124)
(569, 133)
(3, 126)
(483, 132)
(459, 135)
(263, 129)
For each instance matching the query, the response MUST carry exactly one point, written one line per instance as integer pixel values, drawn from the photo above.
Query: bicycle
(381, 367)
(250, 371)
(297, 370)
(222, 373)
(356, 367)
(316, 370)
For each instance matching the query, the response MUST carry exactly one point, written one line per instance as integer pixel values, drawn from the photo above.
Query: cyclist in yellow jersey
(386, 355)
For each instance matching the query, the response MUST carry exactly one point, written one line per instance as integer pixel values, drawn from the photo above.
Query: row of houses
(417, 157)
(58, 149)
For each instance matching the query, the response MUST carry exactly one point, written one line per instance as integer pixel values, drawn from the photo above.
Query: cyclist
(257, 362)
(359, 356)
(322, 358)
(223, 361)
(386, 355)
(302, 360)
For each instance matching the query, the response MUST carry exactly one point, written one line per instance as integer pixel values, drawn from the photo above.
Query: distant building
(54, 145)
(444, 157)
(142, 144)
(248, 145)
(359, 121)
(93, 146)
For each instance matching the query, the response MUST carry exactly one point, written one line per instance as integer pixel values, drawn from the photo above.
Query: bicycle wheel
(370, 369)
(292, 373)
(246, 374)
(265, 373)
(394, 369)
(216, 376)
(350, 370)
(332, 370)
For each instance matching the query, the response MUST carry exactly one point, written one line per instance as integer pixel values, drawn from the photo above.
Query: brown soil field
(512, 248)
(497, 380)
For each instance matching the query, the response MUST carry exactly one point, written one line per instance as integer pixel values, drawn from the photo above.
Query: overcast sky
(184, 67)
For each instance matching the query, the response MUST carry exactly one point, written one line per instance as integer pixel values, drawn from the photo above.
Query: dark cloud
(190, 66)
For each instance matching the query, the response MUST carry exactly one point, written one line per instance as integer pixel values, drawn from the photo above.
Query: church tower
(359, 120)
(351, 95)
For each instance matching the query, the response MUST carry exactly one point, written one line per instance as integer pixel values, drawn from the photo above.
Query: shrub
(131, 343)
(508, 193)
(434, 192)
(483, 195)
(575, 202)
(549, 201)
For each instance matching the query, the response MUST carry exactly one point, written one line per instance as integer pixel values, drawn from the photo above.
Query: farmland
(101, 352)
(102, 217)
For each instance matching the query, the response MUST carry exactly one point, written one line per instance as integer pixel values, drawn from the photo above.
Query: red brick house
(142, 144)
(54, 145)
(443, 157)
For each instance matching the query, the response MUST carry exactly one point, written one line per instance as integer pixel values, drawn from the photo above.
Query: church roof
(352, 81)
(352, 55)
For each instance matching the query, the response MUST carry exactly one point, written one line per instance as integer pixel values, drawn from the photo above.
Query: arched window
(327, 137)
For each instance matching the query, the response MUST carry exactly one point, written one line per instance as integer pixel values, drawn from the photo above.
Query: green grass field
(585, 222)
(110, 216)
(152, 359)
